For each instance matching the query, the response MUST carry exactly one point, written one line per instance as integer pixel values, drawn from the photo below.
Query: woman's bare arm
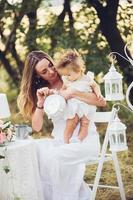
(37, 119)
(89, 98)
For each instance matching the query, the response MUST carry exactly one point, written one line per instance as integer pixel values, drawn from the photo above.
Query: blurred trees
(93, 27)
(11, 27)
(107, 13)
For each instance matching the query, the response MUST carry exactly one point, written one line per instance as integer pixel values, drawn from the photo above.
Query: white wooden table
(22, 181)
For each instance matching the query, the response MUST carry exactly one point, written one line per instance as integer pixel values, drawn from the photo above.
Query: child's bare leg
(70, 127)
(83, 132)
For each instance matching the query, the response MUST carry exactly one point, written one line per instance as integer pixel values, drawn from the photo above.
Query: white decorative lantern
(117, 135)
(4, 107)
(113, 85)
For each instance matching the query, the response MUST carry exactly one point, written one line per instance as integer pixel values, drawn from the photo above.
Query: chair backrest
(102, 117)
(105, 117)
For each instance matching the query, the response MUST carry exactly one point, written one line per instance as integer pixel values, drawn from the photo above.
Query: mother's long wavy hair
(30, 83)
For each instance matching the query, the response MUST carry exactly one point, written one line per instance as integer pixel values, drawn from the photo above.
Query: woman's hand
(42, 93)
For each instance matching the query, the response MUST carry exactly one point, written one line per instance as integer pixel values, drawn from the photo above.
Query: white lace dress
(62, 166)
(75, 106)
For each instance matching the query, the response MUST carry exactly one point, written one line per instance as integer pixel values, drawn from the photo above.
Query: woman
(62, 166)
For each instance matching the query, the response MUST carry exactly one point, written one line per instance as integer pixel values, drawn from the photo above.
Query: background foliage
(93, 27)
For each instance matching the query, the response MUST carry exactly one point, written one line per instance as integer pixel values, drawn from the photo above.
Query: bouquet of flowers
(7, 132)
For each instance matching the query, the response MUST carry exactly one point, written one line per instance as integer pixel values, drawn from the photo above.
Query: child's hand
(66, 93)
(100, 97)
(53, 91)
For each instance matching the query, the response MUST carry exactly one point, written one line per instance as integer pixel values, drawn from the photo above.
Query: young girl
(72, 68)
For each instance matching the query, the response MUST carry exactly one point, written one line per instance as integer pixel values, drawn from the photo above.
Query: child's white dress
(75, 106)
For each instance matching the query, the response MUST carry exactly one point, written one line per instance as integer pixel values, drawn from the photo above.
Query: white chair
(106, 117)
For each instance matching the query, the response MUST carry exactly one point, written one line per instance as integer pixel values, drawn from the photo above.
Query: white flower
(5, 125)
(7, 129)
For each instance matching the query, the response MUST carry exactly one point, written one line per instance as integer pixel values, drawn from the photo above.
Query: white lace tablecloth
(23, 181)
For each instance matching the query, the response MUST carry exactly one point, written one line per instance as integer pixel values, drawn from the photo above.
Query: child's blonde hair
(71, 57)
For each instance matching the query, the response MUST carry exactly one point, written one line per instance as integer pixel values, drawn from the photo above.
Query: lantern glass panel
(117, 88)
(121, 137)
(113, 139)
(107, 88)
(113, 88)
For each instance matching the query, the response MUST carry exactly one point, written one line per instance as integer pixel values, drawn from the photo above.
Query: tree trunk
(116, 43)
(67, 10)
(32, 33)
(108, 27)
(11, 72)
